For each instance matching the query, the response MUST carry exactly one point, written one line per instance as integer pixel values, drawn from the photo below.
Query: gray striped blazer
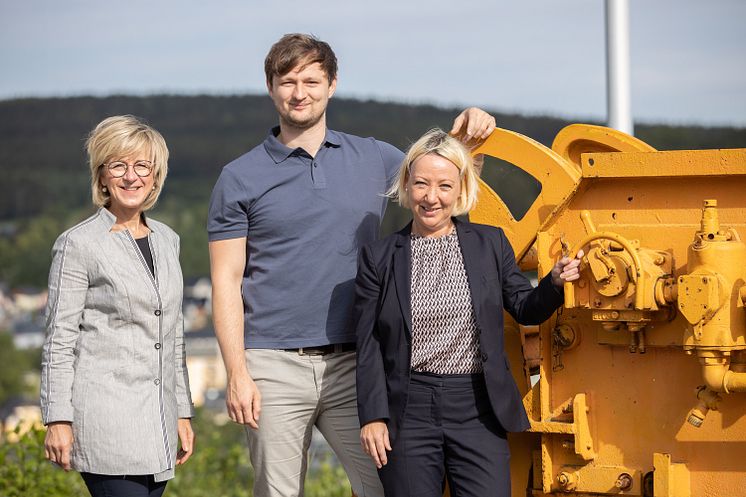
(113, 361)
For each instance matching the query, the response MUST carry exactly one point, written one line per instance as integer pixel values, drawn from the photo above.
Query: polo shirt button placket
(317, 175)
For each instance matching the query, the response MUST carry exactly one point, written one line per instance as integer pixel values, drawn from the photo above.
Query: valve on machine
(710, 297)
(623, 285)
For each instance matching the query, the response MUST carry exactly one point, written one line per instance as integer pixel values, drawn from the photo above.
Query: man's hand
(374, 437)
(243, 400)
(58, 443)
(566, 269)
(473, 126)
(186, 439)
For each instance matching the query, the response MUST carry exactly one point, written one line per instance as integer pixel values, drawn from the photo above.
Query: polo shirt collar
(280, 152)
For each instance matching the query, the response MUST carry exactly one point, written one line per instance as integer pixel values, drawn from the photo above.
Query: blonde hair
(436, 141)
(120, 136)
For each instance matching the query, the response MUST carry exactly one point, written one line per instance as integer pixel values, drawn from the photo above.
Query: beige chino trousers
(298, 393)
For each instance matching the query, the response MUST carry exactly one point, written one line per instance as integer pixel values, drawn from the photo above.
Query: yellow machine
(642, 374)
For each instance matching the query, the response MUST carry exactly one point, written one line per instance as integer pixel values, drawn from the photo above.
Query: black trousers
(448, 431)
(123, 485)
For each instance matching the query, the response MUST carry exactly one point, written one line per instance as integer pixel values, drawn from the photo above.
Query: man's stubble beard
(301, 125)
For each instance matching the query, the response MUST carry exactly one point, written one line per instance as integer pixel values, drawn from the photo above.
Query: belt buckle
(302, 352)
(322, 350)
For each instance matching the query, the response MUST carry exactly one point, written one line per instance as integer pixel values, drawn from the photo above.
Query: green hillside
(46, 177)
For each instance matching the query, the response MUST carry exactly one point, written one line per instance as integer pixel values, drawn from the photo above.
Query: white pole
(617, 66)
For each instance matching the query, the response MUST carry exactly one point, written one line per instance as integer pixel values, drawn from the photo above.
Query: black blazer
(383, 320)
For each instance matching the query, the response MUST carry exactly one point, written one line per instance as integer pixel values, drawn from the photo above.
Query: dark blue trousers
(123, 485)
(448, 431)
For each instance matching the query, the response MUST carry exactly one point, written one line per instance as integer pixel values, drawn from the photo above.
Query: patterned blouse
(445, 338)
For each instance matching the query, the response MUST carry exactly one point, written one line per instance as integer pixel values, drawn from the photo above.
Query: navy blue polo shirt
(305, 219)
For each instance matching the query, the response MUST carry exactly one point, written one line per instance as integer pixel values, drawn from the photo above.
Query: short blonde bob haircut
(119, 136)
(438, 142)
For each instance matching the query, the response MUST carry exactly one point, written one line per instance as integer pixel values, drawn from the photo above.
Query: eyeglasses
(118, 169)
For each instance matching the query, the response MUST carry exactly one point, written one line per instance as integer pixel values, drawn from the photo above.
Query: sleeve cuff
(226, 235)
(372, 415)
(56, 413)
(185, 411)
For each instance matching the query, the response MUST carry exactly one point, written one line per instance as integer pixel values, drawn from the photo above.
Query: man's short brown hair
(296, 48)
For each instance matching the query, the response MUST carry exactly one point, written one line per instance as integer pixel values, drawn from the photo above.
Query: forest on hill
(46, 176)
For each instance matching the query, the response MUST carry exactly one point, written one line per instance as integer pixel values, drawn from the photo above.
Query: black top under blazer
(383, 320)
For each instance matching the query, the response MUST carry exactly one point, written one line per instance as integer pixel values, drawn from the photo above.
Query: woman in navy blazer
(435, 393)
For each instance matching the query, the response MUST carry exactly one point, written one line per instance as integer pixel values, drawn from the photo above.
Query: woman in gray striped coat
(114, 390)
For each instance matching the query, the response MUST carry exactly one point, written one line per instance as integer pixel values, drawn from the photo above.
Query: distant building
(17, 417)
(28, 334)
(22, 313)
(29, 300)
(198, 289)
(207, 378)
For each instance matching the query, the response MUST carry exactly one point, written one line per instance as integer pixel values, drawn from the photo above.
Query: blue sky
(688, 57)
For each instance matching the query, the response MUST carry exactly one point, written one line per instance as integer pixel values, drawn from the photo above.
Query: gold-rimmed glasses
(117, 169)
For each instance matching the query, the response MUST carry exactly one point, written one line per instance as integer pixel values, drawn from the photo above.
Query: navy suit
(383, 321)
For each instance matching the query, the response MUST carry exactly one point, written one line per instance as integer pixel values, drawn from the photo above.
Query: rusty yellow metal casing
(623, 378)
(540, 162)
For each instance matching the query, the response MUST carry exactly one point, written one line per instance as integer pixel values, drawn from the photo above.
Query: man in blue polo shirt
(285, 224)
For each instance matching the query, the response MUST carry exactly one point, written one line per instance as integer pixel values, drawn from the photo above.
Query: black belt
(333, 348)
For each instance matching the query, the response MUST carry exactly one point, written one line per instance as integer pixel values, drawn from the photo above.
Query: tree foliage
(24, 472)
(219, 467)
(14, 364)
